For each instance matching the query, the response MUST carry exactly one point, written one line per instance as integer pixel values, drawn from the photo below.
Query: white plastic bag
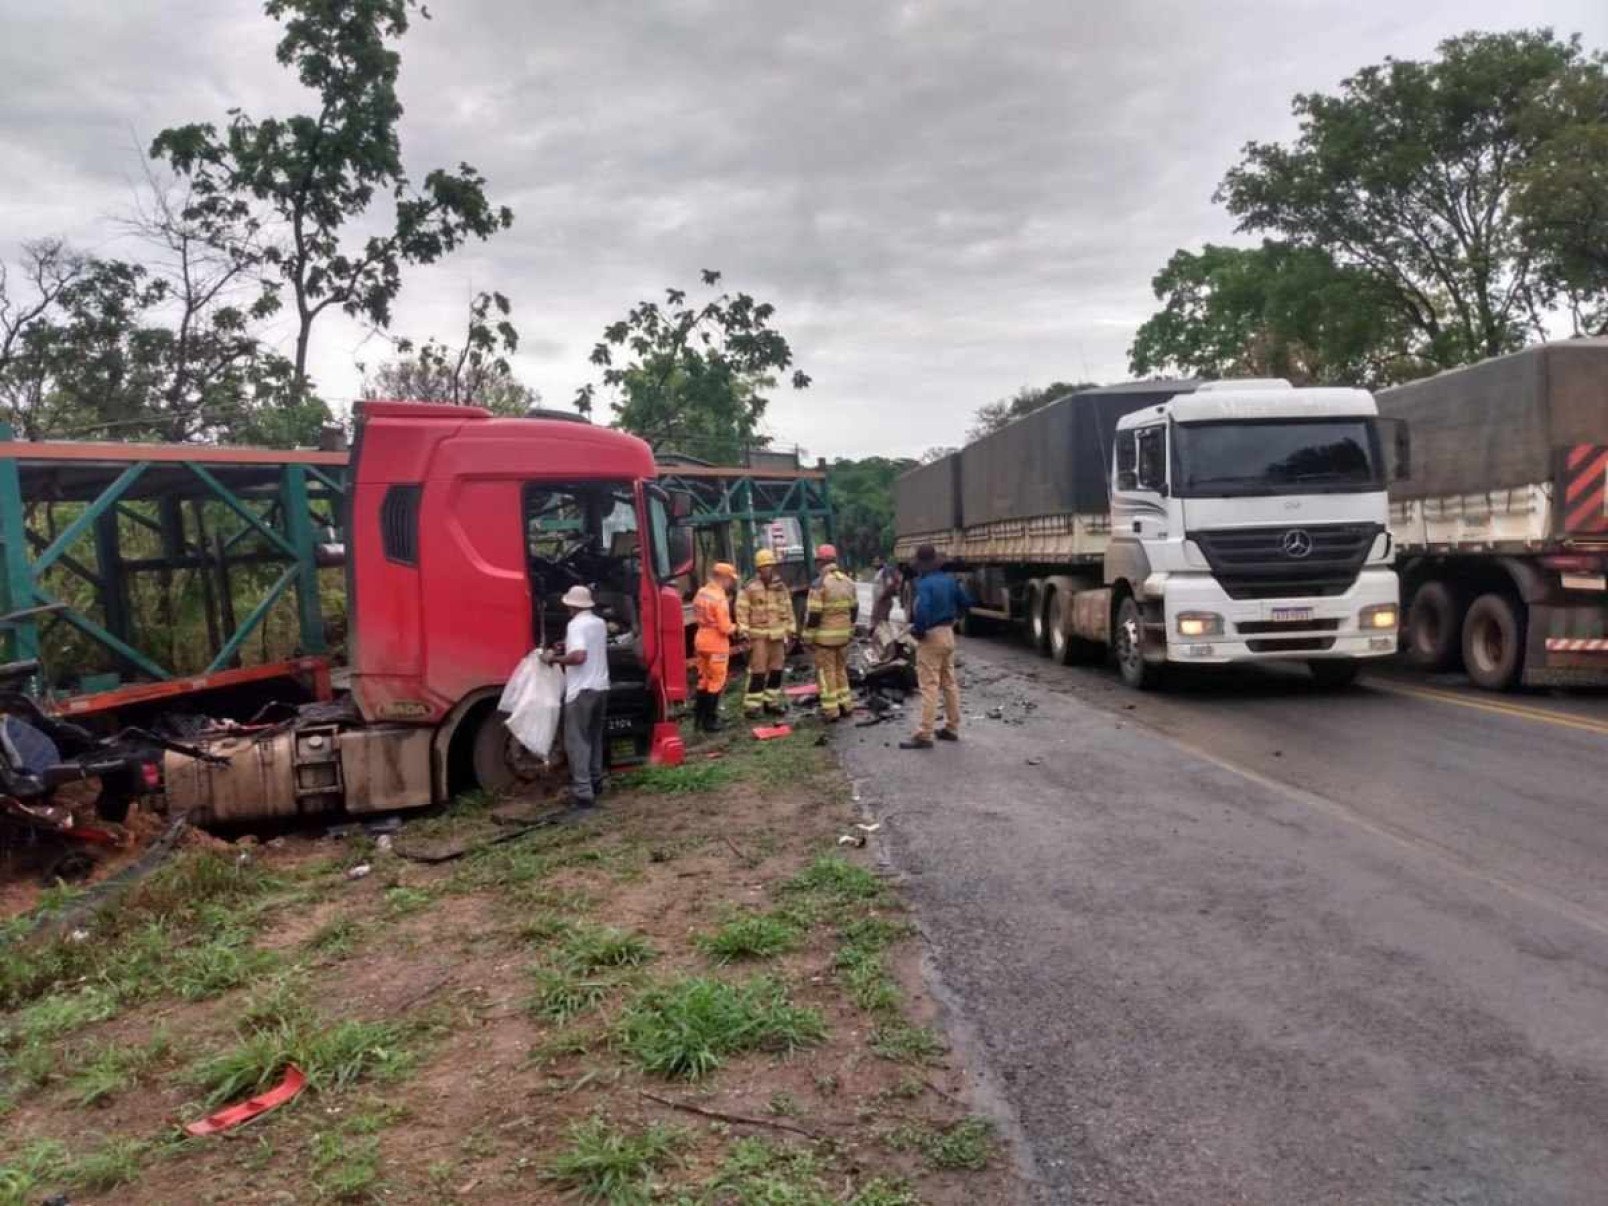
(534, 700)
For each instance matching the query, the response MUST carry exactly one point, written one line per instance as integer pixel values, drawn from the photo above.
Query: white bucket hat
(578, 596)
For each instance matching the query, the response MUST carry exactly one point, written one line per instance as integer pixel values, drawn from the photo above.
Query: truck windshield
(1303, 456)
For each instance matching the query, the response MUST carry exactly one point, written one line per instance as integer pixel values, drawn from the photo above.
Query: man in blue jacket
(940, 602)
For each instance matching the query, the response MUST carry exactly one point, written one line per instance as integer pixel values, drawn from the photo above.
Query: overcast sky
(944, 199)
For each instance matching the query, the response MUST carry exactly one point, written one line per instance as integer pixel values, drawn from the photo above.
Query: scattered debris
(232, 1116)
(802, 691)
(773, 732)
(359, 871)
(383, 843)
(1035, 762)
(721, 1116)
(852, 839)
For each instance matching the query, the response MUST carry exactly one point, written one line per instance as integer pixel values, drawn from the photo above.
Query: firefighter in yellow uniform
(828, 627)
(712, 645)
(765, 621)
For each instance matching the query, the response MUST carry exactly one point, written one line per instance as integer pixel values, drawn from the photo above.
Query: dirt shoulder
(695, 995)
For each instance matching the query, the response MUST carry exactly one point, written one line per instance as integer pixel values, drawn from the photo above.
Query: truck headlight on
(1199, 624)
(1380, 615)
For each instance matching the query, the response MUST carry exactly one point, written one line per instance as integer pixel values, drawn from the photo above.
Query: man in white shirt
(585, 659)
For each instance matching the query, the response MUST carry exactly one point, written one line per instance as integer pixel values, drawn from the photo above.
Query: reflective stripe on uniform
(765, 611)
(833, 602)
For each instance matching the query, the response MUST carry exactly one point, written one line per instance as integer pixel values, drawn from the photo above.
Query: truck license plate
(1287, 614)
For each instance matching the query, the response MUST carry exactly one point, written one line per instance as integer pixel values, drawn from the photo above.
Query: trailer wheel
(1130, 642)
(1038, 627)
(1493, 643)
(1434, 627)
(1066, 647)
(501, 764)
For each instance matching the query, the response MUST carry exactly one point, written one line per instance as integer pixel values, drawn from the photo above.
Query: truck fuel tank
(311, 770)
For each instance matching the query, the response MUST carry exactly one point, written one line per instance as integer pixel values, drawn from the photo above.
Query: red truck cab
(464, 530)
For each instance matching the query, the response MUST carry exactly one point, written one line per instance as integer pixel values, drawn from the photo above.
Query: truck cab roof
(1217, 401)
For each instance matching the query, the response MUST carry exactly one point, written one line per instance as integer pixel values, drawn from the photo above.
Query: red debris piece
(802, 691)
(232, 1116)
(775, 731)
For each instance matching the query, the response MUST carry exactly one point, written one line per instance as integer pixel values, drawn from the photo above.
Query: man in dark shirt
(940, 602)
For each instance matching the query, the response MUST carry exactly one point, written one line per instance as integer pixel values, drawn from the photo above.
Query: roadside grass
(331, 1056)
(336, 940)
(967, 1144)
(603, 1163)
(402, 901)
(687, 1027)
(115, 1067)
(561, 994)
(41, 1165)
(750, 936)
(897, 1040)
(757, 1172)
(587, 948)
(690, 778)
(345, 1167)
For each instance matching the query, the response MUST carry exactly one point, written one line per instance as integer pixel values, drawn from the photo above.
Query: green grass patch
(750, 936)
(770, 1174)
(605, 1164)
(543, 927)
(209, 968)
(60, 1013)
(899, 1040)
(968, 1144)
(115, 1163)
(113, 1068)
(403, 901)
(860, 964)
(331, 1056)
(29, 1170)
(345, 1168)
(589, 948)
(562, 993)
(336, 940)
(835, 880)
(690, 778)
(885, 1191)
(687, 1027)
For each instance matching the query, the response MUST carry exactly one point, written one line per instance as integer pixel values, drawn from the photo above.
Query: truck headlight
(1199, 623)
(1380, 615)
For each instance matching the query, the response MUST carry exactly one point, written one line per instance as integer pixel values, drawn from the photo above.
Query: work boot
(948, 735)
(916, 743)
(711, 721)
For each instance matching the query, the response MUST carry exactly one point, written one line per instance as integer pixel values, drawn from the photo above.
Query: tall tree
(296, 184)
(862, 505)
(1563, 194)
(1272, 311)
(1409, 174)
(991, 416)
(694, 377)
(473, 373)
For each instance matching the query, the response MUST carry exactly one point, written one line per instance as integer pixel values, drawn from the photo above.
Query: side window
(1127, 478)
(555, 521)
(1151, 451)
(399, 524)
(659, 520)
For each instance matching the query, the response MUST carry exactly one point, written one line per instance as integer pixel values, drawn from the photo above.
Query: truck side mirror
(680, 504)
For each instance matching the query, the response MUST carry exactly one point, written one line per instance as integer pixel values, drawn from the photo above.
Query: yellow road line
(1499, 707)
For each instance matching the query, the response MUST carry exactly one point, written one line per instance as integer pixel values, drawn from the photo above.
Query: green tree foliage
(1411, 174)
(1272, 311)
(474, 373)
(282, 192)
(1562, 198)
(862, 504)
(994, 415)
(94, 348)
(693, 378)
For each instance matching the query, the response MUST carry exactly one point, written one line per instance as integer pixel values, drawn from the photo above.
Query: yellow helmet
(764, 559)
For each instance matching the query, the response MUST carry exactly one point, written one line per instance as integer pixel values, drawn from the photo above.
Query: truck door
(669, 555)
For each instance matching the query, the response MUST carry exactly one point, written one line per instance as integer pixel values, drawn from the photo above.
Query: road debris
(232, 1116)
(772, 732)
(359, 871)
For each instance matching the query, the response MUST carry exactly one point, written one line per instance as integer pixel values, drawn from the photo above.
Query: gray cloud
(944, 199)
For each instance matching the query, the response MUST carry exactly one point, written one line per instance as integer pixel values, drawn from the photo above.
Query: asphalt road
(1252, 942)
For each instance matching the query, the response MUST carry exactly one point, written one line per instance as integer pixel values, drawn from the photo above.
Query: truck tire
(1434, 627)
(1493, 643)
(1129, 640)
(1332, 674)
(1066, 647)
(1038, 626)
(501, 764)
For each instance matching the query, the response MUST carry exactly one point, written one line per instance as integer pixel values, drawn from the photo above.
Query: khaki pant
(935, 671)
(832, 675)
(766, 658)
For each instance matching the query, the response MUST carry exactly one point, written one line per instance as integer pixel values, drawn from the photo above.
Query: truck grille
(1269, 563)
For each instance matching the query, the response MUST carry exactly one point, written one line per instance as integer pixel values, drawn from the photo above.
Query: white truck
(1175, 523)
(1502, 524)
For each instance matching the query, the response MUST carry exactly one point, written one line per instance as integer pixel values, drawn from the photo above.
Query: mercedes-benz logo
(1297, 543)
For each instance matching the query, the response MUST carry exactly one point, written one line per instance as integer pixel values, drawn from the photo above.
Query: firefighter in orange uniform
(712, 645)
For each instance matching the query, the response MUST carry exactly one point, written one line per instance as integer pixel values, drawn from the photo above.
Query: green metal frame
(282, 524)
(753, 500)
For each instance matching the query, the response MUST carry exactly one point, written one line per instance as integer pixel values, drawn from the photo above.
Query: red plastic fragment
(802, 690)
(232, 1116)
(775, 731)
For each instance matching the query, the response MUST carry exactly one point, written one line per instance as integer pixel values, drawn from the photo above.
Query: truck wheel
(1037, 619)
(1066, 647)
(1434, 636)
(501, 764)
(1332, 675)
(1493, 643)
(1130, 642)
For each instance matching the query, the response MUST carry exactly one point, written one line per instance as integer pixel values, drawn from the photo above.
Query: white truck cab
(1249, 522)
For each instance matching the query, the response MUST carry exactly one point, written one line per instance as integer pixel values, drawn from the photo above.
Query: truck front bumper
(1303, 629)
